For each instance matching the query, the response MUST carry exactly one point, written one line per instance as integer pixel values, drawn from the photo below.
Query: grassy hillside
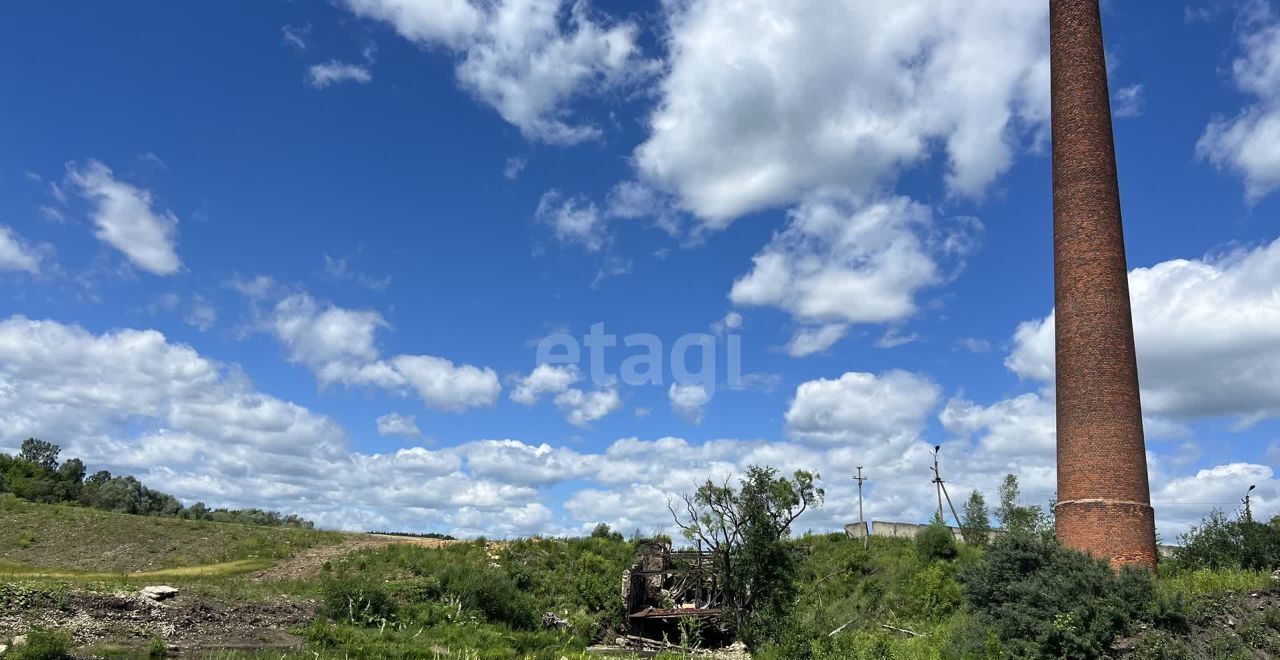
(371, 598)
(66, 537)
(891, 602)
(485, 599)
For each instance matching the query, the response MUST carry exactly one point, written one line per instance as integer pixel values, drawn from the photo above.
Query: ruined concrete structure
(1104, 505)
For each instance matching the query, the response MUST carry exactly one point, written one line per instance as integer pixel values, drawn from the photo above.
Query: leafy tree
(1016, 519)
(31, 481)
(72, 471)
(35, 475)
(976, 525)
(43, 454)
(198, 511)
(936, 541)
(1046, 601)
(746, 530)
(603, 531)
(70, 476)
(1221, 543)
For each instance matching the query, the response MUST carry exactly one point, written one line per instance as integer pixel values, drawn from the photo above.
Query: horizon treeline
(36, 475)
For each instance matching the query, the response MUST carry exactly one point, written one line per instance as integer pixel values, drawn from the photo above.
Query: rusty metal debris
(664, 586)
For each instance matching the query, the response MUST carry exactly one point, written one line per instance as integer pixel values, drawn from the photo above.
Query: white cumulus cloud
(397, 424)
(1249, 142)
(125, 218)
(525, 58)
(764, 102)
(338, 345)
(442, 384)
(580, 408)
(15, 254)
(689, 401)
(544, 379)
(1207, 333)
(574, 220)
(837, 264)
(862, 409)
(133, 402)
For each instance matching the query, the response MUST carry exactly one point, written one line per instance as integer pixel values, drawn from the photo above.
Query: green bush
(492, 593)
(1219, 543)
(1272, 619)
(42, 645)
(1228, 647)
(361, 602)
(1259, 635)
(937, 592)
(1044, 600)
(936, 542)
(603, 531)
(1160, 645)
(969, 638)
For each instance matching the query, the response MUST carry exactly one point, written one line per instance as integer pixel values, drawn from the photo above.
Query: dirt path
(223, 568)
(308, 562)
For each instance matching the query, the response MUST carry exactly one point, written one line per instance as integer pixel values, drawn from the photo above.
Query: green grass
(888, 584)
(9, 570)
(472, 600)
(72, 539)
(1190, 584)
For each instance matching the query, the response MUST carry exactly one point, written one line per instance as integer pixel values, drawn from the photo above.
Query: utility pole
(1248, 513)
(863, 521)
(937, 480)
(941, 489)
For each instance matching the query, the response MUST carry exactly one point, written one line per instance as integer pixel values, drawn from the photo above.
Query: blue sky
(234, 239)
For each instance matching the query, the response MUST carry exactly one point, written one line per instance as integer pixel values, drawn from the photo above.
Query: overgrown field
(66, 537)
(467, 600)
(537, 598)
(553, 598)
(895, 601)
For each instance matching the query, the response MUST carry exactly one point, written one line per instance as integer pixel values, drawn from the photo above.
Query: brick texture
(1102, 468)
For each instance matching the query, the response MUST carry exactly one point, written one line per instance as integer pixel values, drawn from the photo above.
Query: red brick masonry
(1102, 468)
(1121, 532)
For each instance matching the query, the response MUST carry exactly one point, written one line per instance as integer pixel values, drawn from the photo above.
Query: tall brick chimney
(1104, 505)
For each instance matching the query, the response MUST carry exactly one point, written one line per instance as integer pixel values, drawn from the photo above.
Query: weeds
(42, 645)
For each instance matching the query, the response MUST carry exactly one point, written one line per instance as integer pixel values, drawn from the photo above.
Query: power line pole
(941, 488)
(863, 521)
(937, 481)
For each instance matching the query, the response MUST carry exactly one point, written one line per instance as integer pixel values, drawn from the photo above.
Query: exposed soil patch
(187, 624)
(1231, 625)
(306, 563)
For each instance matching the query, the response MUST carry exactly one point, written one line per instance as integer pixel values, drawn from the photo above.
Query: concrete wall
(901, 530)
(856, 530)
